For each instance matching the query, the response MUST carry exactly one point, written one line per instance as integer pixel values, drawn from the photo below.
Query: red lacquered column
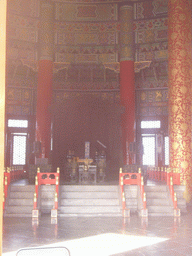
(127, 81)
(45, 73)
(179, 49)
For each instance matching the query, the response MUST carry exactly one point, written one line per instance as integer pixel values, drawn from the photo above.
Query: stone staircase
(159, 201)
(89, 200)
(131, 196)
(181, 202)
(19, 202)
(46, 198)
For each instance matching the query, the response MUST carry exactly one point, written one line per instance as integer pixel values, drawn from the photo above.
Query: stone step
(131, 191)
(89, 209)
(131, 201)
(157, 195)
(47, 192)
(181, 201)
(88, 188)
(21, 195)
(86, 200)
(47, 188)
(158, 188)
(88, 194)
(20, 202)
(182, 205)
(107, 214)
(18, 215)
(18, 209)
(131, 197)
(46, 201)
(19, 188)
(132, 204)
(93, 202)
(158, 201)
(49, 195)
(179, 190)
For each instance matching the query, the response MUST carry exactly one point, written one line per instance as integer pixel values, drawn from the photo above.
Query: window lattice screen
(148, 150)
(150, 124)
(166, 150)
(19, 149)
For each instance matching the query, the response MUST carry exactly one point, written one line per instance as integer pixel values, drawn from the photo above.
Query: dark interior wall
(87, 118)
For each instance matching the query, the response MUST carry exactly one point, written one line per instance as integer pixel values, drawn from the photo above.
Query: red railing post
(139, 178)
(8, 176)
(170, 183)
(158, 173)
(143, 194)
(36, 185)
(126, 212)
(57, 181)
(144, 201)
(142, 187)
(121, 184)
(5, 186)
(173, 194)
(163, 178)
(168, 179)
(35, 202)
(144, 211)
(129, 179)
(121, 180)
(175, 201)
(162, 173)
(154, 173)
(56, 201)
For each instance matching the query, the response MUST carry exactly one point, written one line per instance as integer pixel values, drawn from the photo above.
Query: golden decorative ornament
(175, 145)
(183, 53)
(143, 96)
(184, 126)
(184, 164)
(174, 36)
(182, 16)
(174, 108)
(174, 71)
(184, 89)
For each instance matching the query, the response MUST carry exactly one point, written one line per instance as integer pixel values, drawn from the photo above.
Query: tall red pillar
(179, 47)
(45, 73)
(127, 81)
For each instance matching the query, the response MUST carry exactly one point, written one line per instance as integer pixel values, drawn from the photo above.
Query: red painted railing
(143, 194)
(11, 174)
(46, 179)
(14, 173)
(163, 173)
(121, 184)
(131, 179)
(168, 175)
(173, 179)
(156, 173)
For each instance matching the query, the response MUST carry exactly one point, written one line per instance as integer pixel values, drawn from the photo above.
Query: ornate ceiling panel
(85, 12)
